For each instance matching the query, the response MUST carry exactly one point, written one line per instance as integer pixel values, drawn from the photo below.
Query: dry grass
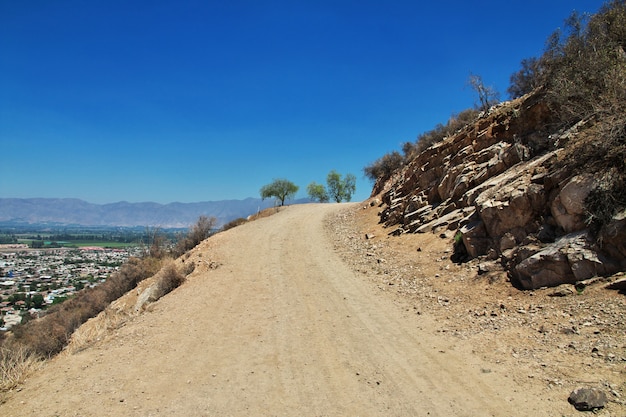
(16, 363)
(265, 213)
(95, 330)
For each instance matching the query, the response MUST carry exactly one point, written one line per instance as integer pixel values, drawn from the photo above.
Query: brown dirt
(299, 314)
(553, 344)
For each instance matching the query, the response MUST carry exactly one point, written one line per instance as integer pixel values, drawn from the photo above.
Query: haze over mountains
(71, 211)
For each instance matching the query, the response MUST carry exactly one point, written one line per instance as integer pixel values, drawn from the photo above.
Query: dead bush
(15, 363)
(169, 278)
(203, 228)
(384, 167)
(234, 223)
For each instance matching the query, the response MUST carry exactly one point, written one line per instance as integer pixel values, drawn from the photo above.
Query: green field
(102, 244)
(78, 237)
(81, 244)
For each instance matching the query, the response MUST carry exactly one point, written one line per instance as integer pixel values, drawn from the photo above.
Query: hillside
(534, 186)
(499, 188)
(502, 187)
(301, 313)
(269, 323)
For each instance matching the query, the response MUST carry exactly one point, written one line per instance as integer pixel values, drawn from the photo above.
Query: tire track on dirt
(282, 327)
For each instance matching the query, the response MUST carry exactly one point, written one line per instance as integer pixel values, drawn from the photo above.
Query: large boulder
(512, 208)
(568, 208)
(475, 238)
(613, 238)
(572, 258)
(588, 399)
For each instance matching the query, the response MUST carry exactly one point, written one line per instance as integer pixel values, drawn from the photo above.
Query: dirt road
(277, 326)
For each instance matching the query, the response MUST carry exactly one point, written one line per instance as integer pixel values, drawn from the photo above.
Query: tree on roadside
(281, 189)
(317, 192)
(339, 188)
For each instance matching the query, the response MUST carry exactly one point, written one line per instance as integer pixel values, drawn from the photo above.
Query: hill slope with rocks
(535, 186)
(501, 188)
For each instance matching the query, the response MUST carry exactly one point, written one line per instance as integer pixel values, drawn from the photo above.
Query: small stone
(562, 291)
(369, 236)
(483, 268)
(587, 399)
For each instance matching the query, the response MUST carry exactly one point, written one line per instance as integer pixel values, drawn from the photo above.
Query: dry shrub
(16, 362)
(234, 223)
(265, 213)
(198, 232)
(188, 268)
(169, 278)
(95, 330)
(385, 166)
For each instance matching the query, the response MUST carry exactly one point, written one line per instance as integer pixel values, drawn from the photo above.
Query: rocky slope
(499, 186)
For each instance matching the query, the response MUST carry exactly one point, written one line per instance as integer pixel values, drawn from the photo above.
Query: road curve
(281, 327)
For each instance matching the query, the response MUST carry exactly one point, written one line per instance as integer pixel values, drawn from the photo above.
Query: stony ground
(557, 343)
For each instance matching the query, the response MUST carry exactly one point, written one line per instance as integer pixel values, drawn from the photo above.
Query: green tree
(36, 244)
(317, 192)
(281, 189)
(339, 188)
(37, 300)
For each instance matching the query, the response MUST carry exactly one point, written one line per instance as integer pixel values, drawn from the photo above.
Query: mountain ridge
(74, 211)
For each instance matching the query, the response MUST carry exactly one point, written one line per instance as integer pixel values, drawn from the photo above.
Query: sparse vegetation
(169, 278)
(384, 167)
(15, 364)
(201, 230)
(234, 223)
(583, 75)
(317, 192)
(339, 188)
(281, 189)
(487, 95)
(47, 336)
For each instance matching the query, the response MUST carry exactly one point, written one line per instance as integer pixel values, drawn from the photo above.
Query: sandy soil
(280, 318)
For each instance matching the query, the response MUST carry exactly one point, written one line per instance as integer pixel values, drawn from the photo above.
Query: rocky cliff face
(496, 187)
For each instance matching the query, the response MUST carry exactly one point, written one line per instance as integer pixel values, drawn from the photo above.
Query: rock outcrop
(496, 187)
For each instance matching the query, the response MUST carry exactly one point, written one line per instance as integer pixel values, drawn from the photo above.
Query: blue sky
(209, 100)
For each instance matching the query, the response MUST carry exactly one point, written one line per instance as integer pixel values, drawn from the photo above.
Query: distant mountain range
(71, 211)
